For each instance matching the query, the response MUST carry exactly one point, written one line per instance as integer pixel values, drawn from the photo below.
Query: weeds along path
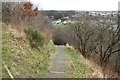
(60, 64)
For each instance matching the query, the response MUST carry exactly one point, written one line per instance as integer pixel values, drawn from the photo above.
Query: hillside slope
(22, 60)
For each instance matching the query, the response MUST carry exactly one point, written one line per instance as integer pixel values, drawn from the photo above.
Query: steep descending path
(60, 64)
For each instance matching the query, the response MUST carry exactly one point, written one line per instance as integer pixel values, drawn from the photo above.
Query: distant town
(65, 17)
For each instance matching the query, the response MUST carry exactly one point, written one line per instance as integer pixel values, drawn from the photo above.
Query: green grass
(22, 60)
(0, 50)
(59, 26)
(78, 67)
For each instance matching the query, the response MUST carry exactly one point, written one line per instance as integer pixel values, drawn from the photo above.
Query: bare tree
(83, 33)
(101, 39)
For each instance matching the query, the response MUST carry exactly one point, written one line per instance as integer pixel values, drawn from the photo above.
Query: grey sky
(101, 5)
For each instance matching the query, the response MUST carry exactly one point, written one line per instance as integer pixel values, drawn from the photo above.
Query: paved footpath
(60, 64)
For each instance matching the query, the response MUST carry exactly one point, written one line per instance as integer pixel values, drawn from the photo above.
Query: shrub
(59, 37)
(34, 36)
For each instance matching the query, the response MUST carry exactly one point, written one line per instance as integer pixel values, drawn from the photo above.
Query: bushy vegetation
(21, 14)
(34, 36)
(58, 37)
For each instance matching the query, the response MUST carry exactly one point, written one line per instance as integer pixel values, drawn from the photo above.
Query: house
(57, 22)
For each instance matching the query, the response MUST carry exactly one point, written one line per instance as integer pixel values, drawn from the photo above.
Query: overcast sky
(91, 5)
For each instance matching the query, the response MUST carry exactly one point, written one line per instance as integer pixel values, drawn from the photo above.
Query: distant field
(59, 26)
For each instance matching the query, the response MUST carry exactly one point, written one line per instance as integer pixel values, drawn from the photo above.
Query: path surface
(60, 64)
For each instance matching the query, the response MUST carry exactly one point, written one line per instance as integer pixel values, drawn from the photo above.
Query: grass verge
(78, 67)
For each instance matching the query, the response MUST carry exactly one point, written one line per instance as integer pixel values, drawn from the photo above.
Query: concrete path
(60, 64)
